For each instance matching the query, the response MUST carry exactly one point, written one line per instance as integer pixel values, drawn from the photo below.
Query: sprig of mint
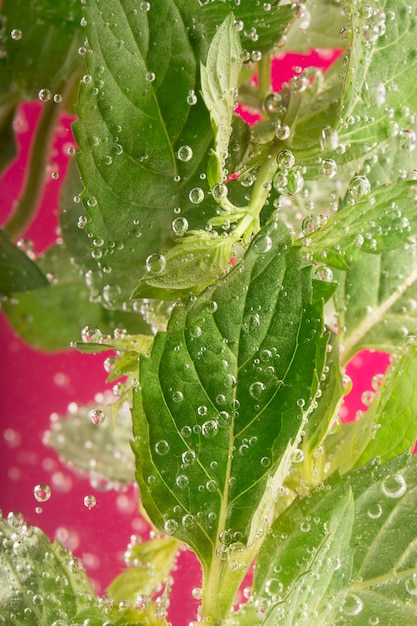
(234, 270)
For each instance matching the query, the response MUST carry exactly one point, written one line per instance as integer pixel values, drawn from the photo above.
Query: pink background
(35, 384)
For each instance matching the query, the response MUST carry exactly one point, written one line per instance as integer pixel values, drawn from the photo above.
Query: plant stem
(264, 76)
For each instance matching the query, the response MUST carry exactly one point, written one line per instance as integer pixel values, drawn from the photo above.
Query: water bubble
(188, 521)
(297, 456)
(191, 98)
(375, 511)
(196, 195)
(310, 224)
(394, 486)
(96, 416)
(223, 419)
(15, 519)
(329, 139)
(358, 187)
(188, 457)
(44, 95)
(42, 492)
(110, 294)
(211, 485)
(324, 273)
(262, 244)
(209, 429)
(155, 263)
(219, 192)
(328, 168)
(149, 77)
(411, 585)
(90, 501)
(230, 381)
(352, 605)
(182, 481)
(162, 447)
(257, 389)
(286, 159)
(282, 132)
(16, 34)
(91, 334)
(177, 396)
(377, 381)
(407, 140)
(76, 566)
(170, 526)
(145, 6)
(288, 182)
(376, 94)
(180, 226)
(82, 221)
(184, 153)
(251, 322)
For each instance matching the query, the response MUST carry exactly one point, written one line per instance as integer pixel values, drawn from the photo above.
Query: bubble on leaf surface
(359, 186)
(16, 34)
(90, 501)
(394, 486)
(209, 429)
(155, 263)
(196, 195)
(91, 334)
(184, 153)
(262, 244)
(96, 416)
(328, 168)
(44, 95)
(42, 492)
(180, 226)
(15, 519)
(352, 605)
(162, 447)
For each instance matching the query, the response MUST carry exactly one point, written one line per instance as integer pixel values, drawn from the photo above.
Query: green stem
(264, 75)
(26, 207)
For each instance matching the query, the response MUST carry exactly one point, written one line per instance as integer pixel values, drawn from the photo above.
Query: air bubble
(196, 195)
(286, 159)
(352, 605)
(180, 226)
(262, 244)
(219, 192)
(282, 132)
(182, 481)
(91, 334)
(177, 396)
(375, 511)
(16, 34)
(76, 566)
(191, 98)
(170, 526)
(44, 95)
(394, 486)
(155, 263)
(162, 447)
(149, 77)
(329, 138)
(328, 168)
(411, 585)
(310, 224)
(324, 273)
(96, 416)
(188, 457)
(407, 140)
(90, 501)
(209, 429)
(42, 492)
(359, 186)
(184, 153)
(256, 390)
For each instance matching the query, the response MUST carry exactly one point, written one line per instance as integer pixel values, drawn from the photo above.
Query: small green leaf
(109, 456)
(192, 265)
(382, 220)
(209, 414)
(219, 82)
(40, 582)
(150, 564)
(17, 272)
(389, 426)
(315, 563)
(320, 27)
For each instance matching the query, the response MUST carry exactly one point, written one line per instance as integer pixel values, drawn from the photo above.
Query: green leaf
(109, 455)
(51, 318)
(219, 83)
(364, 576)
(150, 564)
(131, 129)
(215, 434)
(389, 426)
(318, 26)
(381, 292)
(380, 221)
(46, 53)
(194, 263)
(17, 271)
(40, 582)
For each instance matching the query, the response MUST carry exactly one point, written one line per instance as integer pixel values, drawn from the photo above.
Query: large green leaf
(40, 582)
(130, 132)
(51, 317)
(316, 564)
(317, 27)
(43, 51)
(224, 396)
(389, 426)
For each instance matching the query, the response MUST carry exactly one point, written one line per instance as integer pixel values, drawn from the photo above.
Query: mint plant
(233, 271)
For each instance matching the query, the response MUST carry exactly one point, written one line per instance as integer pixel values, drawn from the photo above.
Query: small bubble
(256, 390)
(191, 98)
(96, 416)
(16, 34)
(188, 457)
(196, 195)
(358, 187)
(407, 140)
(352, 605)
(219, 192)
(162, 447)
(324, 273)
(328, 168)
(282, 132)
(374, 511)
(42, 492)
(149, 77)
(411, 585)
(262, 244)
(209, 429)
(155, 263)
(394, 486)
(145, 6)
(180, 226)
(91, 334)
(182, 481)
(44, 95)
(15, 519)
(184, 153)
(170, 526)
(329, 138)
(76, 566)
(177, 396)
(286, 159)
(90, 502)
